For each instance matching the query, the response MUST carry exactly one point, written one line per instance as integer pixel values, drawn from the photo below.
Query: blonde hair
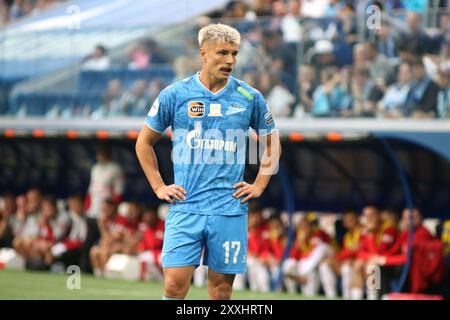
(219, 32)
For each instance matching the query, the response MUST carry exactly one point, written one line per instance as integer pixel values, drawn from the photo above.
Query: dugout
(328, 165)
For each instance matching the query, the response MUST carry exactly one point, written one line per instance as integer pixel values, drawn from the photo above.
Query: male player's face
(219, 58)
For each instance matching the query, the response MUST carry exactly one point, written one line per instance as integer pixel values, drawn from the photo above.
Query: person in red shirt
(276, 243)
(132, 233)
(258, 236)
(150, 246)
(307, 262)
(424, 269)
(52, 226)
(378, 239)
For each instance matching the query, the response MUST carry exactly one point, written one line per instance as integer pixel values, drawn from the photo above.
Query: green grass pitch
(50, 286)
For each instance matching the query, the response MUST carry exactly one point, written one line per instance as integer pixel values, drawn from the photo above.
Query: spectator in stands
(262, 8)
(277, 95)
(359, 56)
(4, 14)
(7, 212)
(307, 264)
(287, 18)
(143, 54)
(395, 96)
(347, 28)
(322, 54)
(314, 8)
(443, 30)
(150, 246)
(67, 251)
(110, 100)
(281, 54)
(422, 99)
(307, 83)
(378, 240)
(443, 103)
(329, 96)
(415, 33)
(386, 39)
(365, 92)
(342, 262)
(98, 60)
(235, 15)
(134, 102)
(379, 65)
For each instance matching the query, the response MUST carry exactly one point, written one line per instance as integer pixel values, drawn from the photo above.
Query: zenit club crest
(196, 109)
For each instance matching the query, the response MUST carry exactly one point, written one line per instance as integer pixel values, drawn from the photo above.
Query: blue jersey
(209, 140)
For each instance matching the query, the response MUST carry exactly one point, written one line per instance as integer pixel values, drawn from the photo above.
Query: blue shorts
(223, 238)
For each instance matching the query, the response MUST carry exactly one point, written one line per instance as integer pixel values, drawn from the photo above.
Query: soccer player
(210, 114)
(378, 239)
(342, 262)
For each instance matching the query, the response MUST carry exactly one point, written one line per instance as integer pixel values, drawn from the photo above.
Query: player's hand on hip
(171, 193)
(246, 190)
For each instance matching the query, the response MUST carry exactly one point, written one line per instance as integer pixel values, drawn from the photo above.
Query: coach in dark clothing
(423, 97)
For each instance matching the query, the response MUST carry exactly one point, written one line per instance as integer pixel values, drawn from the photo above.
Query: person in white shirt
(107, 181)
(97, 61)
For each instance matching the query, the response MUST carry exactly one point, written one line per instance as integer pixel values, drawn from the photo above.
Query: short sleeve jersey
(209, 140)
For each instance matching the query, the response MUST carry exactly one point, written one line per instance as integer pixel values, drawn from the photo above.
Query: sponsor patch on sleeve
(154, 109)
(268, 118)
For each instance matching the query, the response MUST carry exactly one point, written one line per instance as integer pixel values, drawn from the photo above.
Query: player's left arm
(268, 167)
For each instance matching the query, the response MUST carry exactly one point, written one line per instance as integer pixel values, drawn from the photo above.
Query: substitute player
(210, 114)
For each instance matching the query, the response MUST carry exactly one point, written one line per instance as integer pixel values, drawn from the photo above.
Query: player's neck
(211, 83)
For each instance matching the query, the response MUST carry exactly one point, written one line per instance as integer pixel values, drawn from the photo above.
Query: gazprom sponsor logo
(194, 140)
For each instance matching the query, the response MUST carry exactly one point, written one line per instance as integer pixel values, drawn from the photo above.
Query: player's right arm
(147, 158)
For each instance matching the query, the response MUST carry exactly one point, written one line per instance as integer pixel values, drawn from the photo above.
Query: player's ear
(203, 54)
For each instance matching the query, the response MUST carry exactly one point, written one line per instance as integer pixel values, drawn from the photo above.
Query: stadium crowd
(11, 10)
(309, 58)
(315, 63)
(325, 256)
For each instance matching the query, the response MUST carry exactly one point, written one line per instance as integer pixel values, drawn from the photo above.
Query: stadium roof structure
(327, 164)
(60, 37)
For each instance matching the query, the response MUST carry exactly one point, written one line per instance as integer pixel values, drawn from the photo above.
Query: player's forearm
(149, 163)
(269, 161)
